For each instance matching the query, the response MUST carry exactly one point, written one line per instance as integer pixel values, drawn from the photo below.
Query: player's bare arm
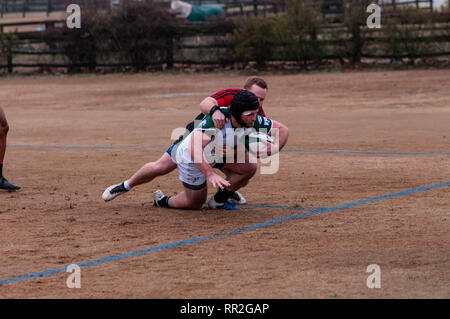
(282, 131)
(198, 142)
(279, 134)
(207, 104)
(218, 117)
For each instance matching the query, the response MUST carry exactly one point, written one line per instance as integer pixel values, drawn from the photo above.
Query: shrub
(258, 39)
(80, 46)
(305, 19)
(407, 34)
(136, 33)
(8, 42)
(355, 16)
(142, 33)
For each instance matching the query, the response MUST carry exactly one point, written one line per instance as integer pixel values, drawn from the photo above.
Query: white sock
(126, 185)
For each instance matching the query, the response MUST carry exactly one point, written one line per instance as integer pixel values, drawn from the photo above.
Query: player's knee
(196, 199)
(253, 169)
(196, 205)
(243, 169)
(250, 170)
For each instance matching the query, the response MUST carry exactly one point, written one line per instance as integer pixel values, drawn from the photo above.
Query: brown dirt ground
(59, 218)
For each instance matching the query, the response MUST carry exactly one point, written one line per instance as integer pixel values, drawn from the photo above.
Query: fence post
(169, 53)
(255, 7)
(10, 64)
(49, 25)
(25, 7)
(49, 7)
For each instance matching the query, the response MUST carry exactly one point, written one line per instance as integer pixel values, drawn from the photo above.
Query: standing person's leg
(4, 128)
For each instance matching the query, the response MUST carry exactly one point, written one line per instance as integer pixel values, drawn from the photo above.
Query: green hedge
(8, 42)
(137, 34)
(301, 35)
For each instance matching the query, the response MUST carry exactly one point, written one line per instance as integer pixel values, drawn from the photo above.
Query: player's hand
(218, 181)
(219, 120)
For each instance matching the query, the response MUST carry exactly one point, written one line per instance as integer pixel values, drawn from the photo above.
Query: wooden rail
(39, 50)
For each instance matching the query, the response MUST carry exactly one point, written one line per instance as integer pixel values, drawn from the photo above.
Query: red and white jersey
(225, 96)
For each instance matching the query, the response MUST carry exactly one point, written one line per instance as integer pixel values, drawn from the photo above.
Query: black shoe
(236, 198)
(4, 184)
(160, 200)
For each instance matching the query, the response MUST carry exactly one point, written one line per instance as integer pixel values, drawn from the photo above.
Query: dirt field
(58, 217)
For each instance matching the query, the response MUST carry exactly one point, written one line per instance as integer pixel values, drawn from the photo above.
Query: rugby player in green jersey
(202, 151)
(166, 163)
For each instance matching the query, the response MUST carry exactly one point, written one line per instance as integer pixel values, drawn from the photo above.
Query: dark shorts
(194, 187)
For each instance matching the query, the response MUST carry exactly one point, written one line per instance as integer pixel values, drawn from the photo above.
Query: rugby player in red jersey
(209, 106)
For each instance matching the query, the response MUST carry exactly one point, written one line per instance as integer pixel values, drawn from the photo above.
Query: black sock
(164, 202)
(1, 170)
(222, 195)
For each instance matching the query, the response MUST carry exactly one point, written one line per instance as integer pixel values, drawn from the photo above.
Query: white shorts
(187, 171)
(190, 174)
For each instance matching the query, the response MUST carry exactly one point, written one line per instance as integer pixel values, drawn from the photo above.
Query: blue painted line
(163, 148)
(284, 207)
(92, 147)
(233, 232)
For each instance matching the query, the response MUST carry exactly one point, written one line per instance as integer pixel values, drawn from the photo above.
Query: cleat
(236, 198)
(113, 191)
(227, 205)
(4, 184)
(157, 196)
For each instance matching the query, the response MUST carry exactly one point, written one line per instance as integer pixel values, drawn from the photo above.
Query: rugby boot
(113, 191)
(227, 205)
(4, 184)
(236, 198)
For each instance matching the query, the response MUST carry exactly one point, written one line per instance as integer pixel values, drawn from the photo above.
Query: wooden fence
(27, 6)
(200, 45)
